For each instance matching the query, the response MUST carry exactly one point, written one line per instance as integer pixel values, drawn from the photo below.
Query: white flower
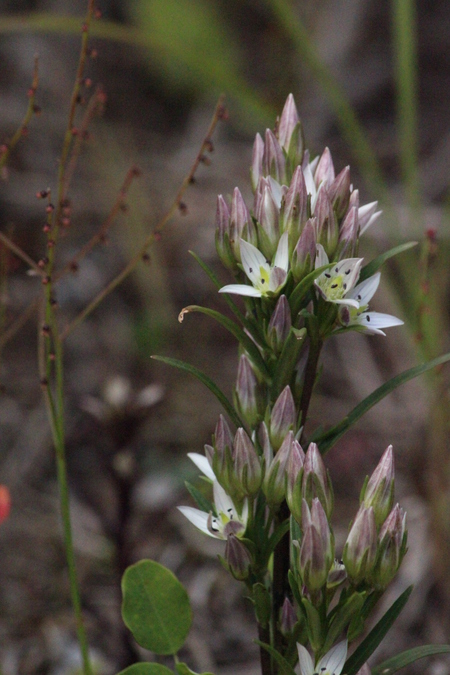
(228, 521)
(266, 279)
(361, 319)
(335, 284)
(330, 664)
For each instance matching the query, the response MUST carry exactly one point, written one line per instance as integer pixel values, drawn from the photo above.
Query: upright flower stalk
(294, 257)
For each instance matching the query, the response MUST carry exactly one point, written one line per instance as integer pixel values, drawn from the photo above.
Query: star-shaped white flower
(330, 664)
(335, 284)
(266, 279)
(360, 318)
(228, 520)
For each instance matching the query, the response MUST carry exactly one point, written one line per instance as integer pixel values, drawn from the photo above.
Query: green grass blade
(213, 388)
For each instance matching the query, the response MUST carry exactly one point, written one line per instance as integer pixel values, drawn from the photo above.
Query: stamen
(348, 272)
(345, 286)
(250, 269)
(336, 270)
(368, 318)
(358, 297)
(263, 281)
(328, 276)
(334, 285)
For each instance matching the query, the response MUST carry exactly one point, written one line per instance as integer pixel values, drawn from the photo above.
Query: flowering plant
(294, 258)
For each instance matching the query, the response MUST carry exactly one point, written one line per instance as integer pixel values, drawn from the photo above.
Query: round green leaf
(146, 669)
(155, 607)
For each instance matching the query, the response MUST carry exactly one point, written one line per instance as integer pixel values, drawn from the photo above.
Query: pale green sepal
(313, 625)
(350, 608)
(263, 604)
(287, 360)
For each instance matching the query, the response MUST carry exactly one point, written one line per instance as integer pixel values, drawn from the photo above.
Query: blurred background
(376, 92)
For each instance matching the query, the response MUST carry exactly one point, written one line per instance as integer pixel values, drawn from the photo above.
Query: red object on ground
(5, 503)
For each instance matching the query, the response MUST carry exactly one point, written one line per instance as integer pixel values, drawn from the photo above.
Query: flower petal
(371, 322)
(334, 660)
(202, 463)
(252, 261)
(241, 289)
(321, 256)
(224, 503)
(365, 291)
(282, 254)
(305, 660)
(197, 518)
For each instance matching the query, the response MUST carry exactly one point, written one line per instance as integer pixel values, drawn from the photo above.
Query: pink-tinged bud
(247, 392)
(304, 255)
(348, 235)
(316, 516)
(5, 503)
(274, 484)
(325, 169)
(316, 481)
(288, 618)
(392, 547)
(339, 192)
(247, 465)
(294, 474)
(267, 215)
(237, 557)
(282, 418)
(279, 325)
(223, 245)
(288, 121)
(220, 456)
(360, 550)
(273, 162)
(257, 158)
(223, 438)
(337, 575)
(241, 224)
(378, 491)
(354, 199)
(312, 560)
(294, 208)
(327, 227)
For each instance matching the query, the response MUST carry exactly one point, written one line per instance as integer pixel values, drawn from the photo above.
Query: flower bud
(294, 208)
(339, 192)
(378, 491)
(274, 484)
(294, 474)
(273, 161)
(367, 215)
(288, 618)
(360, 549)
(223, 246)
(241, 224)
(317, 517)
(220, 455)
(316, 481)
(258, 152)
(312, 561)
(325, 169)
(246, 392)
(349, 234)
(327, 228)
(279, 325)
(337, 575)
(283, 418)
(354, 199)
(237, 557)
(304, 255)
(288, 121)
(392, 547)
(267, 215)
(247, 466)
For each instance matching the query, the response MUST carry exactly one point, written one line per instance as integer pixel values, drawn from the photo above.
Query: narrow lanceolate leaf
(248, 344)
(284, 667)
(155, 607)
(371, 642)
(375, 264)
(201, 501)
(326, 440)
(287, 361)
(207, 382)
(146, 669)
(409, 656)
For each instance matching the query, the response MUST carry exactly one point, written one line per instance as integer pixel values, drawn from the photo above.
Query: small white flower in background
(335, 284)
(330, 664)
(228, 521)
(361, 319)
(266, 279)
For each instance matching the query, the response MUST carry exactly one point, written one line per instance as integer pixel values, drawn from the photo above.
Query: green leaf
(409, 656)
(155, 607)
(284, 668)
(183, 669)
(326, 440)
(299, 293)
(263, 606)
(201, 501)
(313, 625)
(342, 618)
(371, 642)
(146, 669)
(375, 264)
(248, 344)
(287, 361)
(207, 382)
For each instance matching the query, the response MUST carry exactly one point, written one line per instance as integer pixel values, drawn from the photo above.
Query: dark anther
(344, 286)
(348, 272)
(250, 269)
(328, 276)
(334, 285)
(368, 318)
